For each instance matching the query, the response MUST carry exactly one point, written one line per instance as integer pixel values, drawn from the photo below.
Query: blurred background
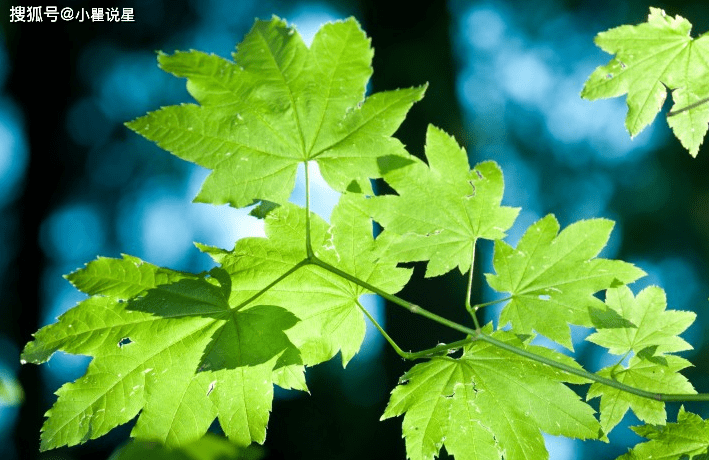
(504, 78)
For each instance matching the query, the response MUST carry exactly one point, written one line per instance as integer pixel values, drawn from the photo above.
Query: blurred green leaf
(210, 447)
(11, 393)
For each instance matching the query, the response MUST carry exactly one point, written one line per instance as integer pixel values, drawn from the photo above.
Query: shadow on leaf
(248, 336)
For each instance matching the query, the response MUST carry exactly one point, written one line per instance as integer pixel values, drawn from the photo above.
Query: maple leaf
(651, 58)
(643, 375)
(179, 353)
(280, 104)
(655, 333)
(655, 327)
(327, 305)
(551, 278)
(489, 404)
(686, 439)
(442, 208)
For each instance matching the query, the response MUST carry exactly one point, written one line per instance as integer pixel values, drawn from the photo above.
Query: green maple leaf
(443, 208)
(655, 327)
(655, 333)
(174, 347)
(489, 404)
(327, 305)
(686, 439)
(651, 58)
(643, 375)
(552, 278)
(280, 104)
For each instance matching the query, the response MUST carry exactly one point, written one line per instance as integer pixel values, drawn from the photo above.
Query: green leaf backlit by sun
(686, 439)
(651, 59)
(443, 208)
(280, 104)
(551, 276)
(175, 350)
(489, 404)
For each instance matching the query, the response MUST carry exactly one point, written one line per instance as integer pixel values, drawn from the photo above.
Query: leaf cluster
(178, 350)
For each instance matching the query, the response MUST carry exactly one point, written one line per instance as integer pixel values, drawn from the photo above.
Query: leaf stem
(620, 361)
(471, 310)
(444, 347)
(492, 302)
(308, 244)
(381, 330)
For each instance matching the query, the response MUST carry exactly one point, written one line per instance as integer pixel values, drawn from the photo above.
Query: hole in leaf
(211, 387)
(124, 341)
(455, 353)
(472, 185)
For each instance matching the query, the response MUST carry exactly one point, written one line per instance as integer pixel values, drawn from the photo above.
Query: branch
(596, 378)
(477, 334)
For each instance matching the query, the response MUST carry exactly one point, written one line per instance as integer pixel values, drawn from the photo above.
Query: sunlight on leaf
(650, 59)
